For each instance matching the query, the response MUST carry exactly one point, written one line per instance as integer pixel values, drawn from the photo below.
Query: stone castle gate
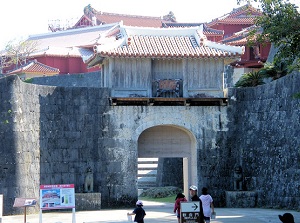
(50, 135)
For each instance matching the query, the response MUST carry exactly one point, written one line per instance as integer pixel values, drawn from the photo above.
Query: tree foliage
(280, 25)
(251, 79)
(17, 53)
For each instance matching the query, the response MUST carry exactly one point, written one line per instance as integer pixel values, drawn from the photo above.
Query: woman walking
(207, 204)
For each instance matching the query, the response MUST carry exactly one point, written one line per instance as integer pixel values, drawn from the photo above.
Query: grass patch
(28, 80)
(169, 199)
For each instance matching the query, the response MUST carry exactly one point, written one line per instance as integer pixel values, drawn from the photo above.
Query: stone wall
(265, 140)
(50, 135)
(170, 172)
(91, 79)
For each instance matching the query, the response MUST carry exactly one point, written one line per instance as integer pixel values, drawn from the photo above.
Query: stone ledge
(241, 199)
(88, 201)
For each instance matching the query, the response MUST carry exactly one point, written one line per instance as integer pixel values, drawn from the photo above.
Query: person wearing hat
(286, 218)
(194, 197)
(139, 212)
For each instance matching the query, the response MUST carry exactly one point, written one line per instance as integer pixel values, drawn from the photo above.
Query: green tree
(280, 25)
(251, 79)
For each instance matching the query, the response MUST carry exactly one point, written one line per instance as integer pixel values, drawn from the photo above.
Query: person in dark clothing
(286, 218)
(139, 212)
(195, 197)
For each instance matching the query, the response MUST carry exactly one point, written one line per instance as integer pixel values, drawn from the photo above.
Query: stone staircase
(147, 171)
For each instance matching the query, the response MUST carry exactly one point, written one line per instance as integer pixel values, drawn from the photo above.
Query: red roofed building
(236, 26)
(34, 69)
(67, 50)
(236, 20)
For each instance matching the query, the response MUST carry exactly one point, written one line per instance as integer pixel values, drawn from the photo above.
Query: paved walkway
(156, 213)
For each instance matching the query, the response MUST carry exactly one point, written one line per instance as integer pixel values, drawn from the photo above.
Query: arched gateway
(171, 141)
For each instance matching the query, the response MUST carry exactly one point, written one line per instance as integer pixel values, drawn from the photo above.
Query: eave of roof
(206, 30)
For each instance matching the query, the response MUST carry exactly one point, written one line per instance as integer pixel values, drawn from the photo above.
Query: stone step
(147, 175)
(146, 168)
(147, 159)
(148, 162)
(147, 172)
(146, 179)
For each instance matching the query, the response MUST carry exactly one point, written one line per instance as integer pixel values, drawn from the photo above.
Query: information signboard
(24, 202)
(58, 196)
(190, 212)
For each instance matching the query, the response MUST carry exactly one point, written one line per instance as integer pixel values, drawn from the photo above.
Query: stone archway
(171, 141)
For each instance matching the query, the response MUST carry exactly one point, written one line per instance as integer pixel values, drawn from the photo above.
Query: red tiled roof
(243, 15)
(164, 43)
(239, 38)
(35, 67)
(234, 21)
(129, 20)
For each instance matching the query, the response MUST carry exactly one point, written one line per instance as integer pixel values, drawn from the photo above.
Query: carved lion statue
(89, 181)
(238, 178)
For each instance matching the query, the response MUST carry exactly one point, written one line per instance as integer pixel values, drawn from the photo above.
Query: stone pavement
(156, 213)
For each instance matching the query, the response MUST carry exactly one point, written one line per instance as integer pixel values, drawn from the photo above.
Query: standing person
(179, 198)
(195, 197)
(286, 218)
(139, 212)
(207, 203)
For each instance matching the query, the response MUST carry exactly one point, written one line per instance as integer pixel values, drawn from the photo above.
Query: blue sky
(22, 18)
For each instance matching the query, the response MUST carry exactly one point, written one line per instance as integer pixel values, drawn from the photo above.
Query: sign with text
(58, 196)
(24, 202)
(190, 212)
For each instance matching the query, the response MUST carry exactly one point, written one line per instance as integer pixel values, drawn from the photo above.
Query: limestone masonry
(52, 134)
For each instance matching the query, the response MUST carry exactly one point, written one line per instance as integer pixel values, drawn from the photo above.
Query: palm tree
(251, 79)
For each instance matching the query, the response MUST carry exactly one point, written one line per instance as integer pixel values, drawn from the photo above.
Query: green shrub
(160, 192)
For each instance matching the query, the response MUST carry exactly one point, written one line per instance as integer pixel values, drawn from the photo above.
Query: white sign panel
(193, 206)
